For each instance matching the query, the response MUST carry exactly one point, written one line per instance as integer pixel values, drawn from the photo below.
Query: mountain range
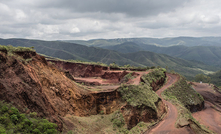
(73, 51)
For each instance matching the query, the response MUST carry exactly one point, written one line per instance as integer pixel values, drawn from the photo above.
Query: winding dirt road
(210, 116)
(167, 126)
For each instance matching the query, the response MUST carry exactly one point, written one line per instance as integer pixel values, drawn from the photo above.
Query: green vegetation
(112, 124)
(99, 124)
(127, 77)
(216, 78)
(12, 121)
(140, 128)
(12, 49)
(204, 49)
(138, 95)
(118, 119)
(176, 41)
(184, 93)
(203, 78)
(155, 75)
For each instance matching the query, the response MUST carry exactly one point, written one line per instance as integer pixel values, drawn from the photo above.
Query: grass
(99, 124)
(154, 75)
(10, 48)
(184, 93)
(137, 95)
(110, 124)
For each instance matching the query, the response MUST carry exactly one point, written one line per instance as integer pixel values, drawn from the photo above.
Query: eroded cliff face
(108, 102)
(80, 69)
(33, 85)
(134, 115)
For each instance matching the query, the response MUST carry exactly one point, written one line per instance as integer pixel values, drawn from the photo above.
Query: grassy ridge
(183, 96)
(138, 95)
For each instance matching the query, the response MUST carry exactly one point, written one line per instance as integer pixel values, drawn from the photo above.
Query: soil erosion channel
(210, 116)
(167, 125)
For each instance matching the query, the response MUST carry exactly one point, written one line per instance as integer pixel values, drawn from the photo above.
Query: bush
(2, 130)
(118, 119)
(11, 121)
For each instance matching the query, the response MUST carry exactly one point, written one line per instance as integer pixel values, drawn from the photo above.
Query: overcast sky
(91, 19)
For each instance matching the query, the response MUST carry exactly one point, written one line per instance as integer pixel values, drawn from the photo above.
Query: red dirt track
(210, 116)
(167, 126)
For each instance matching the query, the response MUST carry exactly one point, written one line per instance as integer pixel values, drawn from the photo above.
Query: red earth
(111, 83)
(167, 125)
(210, 116)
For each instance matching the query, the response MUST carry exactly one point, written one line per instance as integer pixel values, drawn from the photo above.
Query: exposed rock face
(198, 107)
(156, 85)
(81, 70)
(87, 70)
(134, 115)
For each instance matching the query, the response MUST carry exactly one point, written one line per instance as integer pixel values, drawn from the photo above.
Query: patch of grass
(12, 121)
(137, 95)
(10, 48)
(110, 124)
(139, 128)
(183, 93)
(99, 124)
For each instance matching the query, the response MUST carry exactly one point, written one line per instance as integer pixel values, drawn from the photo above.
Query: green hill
(210, 55)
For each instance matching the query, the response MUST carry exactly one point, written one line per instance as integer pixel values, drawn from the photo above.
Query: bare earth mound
(211, 115)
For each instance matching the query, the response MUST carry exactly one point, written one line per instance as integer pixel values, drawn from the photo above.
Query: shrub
(118, 119)
(11, 121)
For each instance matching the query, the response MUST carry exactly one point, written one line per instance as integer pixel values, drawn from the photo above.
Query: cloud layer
(88, 19)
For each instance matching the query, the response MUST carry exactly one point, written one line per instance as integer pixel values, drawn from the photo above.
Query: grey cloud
(128, 7)
(86, 19)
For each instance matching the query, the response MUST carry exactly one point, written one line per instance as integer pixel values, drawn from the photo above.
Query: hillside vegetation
(12, 121)
(187, 41)
(216, 78)
(72, 51)
(210, 55)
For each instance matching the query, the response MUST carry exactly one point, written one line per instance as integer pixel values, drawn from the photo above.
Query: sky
(93, 19)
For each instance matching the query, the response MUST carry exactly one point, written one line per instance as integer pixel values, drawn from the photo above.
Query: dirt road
(167, 126)
(210, 116)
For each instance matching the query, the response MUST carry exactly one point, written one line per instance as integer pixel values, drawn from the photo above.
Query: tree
(203, 78)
